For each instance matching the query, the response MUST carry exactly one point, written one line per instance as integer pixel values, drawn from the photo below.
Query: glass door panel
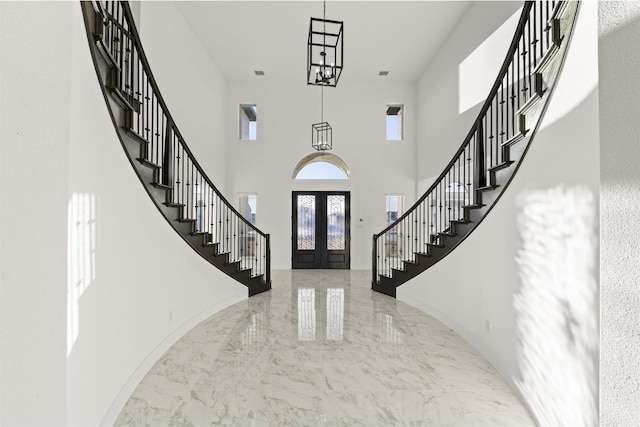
(320, 229)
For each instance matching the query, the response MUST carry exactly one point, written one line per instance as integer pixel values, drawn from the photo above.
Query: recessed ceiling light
(383, 73)
(259, 72)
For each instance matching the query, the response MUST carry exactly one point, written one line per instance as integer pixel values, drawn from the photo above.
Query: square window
(394, 122)
(248, 121)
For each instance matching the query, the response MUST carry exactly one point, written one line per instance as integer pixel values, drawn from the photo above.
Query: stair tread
(502, 165)
(104, 51)
(444, 233)
(148, 163)
(559, 9)
(547, 58)
(126, 100)
(135, 135)
(487, 188)
(436, 237)
(515, 138)
(531, 102)
(460, 221)
(160, 185)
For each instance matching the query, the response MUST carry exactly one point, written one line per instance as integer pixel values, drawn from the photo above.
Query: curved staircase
(490, 155)
(169, 172)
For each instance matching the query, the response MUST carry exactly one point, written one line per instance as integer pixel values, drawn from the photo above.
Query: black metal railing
(164, 148)
(499, 125)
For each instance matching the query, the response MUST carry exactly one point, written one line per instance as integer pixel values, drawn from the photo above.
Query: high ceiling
(397, 36)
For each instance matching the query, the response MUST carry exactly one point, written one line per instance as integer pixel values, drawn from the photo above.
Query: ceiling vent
(383, 73)
(259, 72)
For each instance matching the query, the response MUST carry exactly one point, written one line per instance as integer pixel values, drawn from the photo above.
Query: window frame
(400, 121)
(242, 116)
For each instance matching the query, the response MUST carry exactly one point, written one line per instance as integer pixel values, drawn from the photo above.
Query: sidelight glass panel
(336, 222)
(394, 209)
(306, 222)
(247, 206)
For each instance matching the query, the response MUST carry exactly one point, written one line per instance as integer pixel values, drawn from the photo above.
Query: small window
(394, 207)
(248, 206)
(248, 121)
(394, 122)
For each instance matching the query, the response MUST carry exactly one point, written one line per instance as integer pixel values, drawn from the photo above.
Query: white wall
(619, 66)
(190, 82)
(94, 290)
(136, 286)
(523, 287)
(356, 112)
(35, 85)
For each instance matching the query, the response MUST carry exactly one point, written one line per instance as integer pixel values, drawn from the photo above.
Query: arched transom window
(321, 165)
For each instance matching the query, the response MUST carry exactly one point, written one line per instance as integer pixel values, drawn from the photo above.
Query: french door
(321, 235)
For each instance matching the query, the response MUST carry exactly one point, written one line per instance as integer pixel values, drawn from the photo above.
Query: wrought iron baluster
(502, 125)
(533, 19)
(529, 57)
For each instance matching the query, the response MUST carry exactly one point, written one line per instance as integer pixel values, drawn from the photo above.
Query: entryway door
(321, 236)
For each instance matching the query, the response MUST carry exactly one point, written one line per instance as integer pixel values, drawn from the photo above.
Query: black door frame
(321, 257)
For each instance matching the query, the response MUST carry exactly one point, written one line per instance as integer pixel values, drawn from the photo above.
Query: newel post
(374, 261)
(268, 259)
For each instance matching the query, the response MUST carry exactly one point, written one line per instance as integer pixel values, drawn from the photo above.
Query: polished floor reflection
(322, 349)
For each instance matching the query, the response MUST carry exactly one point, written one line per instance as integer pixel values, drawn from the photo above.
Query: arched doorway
(321, 220)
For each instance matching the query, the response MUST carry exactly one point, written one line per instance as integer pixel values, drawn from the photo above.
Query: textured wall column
(619, 69)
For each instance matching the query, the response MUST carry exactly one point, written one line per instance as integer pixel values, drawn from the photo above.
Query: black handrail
(497, 126)
(143, 58)
(524, 17)
(163, 148)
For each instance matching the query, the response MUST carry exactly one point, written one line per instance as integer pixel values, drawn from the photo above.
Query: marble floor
(322, 349)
